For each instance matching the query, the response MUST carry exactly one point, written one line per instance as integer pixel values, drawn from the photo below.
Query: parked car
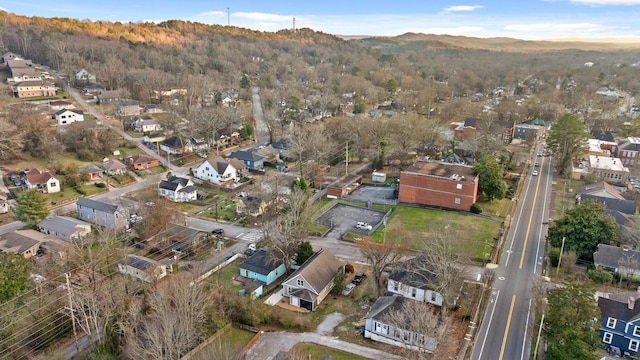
(217, 231)
(363, 226)
(358, 278)
(252, 247)
(535, 173)
(348, 289)
(537, 164)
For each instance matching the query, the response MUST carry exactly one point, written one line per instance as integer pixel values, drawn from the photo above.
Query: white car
(363, 226)
(535, 173)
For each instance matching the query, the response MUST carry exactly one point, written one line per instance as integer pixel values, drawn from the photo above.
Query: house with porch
(262, 266)
(142, 124)
(313, 281)
(92, 171)
(216, 170)
(178, 189)
(66, 116)
(65, 228)
(114, 167)
(112, 217)
(175, 145)
(42, 180)
(414, 279)
(380, 326)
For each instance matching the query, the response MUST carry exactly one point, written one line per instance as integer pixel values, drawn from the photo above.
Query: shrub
(600, 276)
(476, 209)
(101, 185)
(554, 256)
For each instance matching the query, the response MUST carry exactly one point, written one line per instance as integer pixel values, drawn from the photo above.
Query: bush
(476, 209)
(600, 276)
(554, 256)
(101, 185)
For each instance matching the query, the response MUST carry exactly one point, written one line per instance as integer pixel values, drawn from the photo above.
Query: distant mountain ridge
(414, 40)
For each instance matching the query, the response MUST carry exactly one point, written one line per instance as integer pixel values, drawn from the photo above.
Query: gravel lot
(343, 218)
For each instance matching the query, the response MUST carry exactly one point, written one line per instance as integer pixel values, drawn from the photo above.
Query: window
(300, 282)
(636, 331)
(457, 200)
(633, 345)
(395, 286)
(459, 186)
(607, 337)
(611, 323)
(413, 292)
(433, 297)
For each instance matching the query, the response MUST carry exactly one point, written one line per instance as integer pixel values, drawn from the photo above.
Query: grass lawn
(313, 352)
(135, 134)
(127, 151)
(227, 273)
(226, 211)
(471, 232)
(495, 208)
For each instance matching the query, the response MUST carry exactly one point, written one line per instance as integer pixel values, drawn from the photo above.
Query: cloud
(606, 2)
(262, 16)
(212, 14)
(457, 8)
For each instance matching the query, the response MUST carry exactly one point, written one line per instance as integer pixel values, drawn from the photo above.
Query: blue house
(620, 323)
(251, 159)
(261, 266)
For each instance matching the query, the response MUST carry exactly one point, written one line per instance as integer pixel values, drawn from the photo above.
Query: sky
(520, 19)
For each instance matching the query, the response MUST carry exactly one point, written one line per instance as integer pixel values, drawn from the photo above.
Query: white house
(41, 180)
(178, 189)
(66, 116)
(379, 326)
(145, 125)
(413, 280)
(216, 170)
(142, 268)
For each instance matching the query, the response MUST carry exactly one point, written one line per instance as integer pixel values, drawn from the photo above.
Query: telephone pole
(73, 318)
(228, 17)
(346, 159)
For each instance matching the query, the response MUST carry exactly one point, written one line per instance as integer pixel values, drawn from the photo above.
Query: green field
(414, 226)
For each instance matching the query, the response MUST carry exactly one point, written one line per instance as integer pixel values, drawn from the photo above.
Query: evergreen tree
(31, 208)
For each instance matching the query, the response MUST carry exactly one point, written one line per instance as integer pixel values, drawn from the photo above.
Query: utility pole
(228, 17)
(346, 159)
(73, 318)
(560, 258)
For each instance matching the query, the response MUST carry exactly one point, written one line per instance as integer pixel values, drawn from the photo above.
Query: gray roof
(621, 205)
(97, 205)
(383, 305)
(89, 169)
(609, 256)
(261, 263)
(139, 262)
(16, 242)
(600, 189)
(319, 269)
(61, 224)
(246, 155)
(415, 273)
(188, 189)
(619, 308)
(62, 111)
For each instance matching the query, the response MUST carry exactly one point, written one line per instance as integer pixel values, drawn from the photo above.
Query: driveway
(262, 130)
(270, 343)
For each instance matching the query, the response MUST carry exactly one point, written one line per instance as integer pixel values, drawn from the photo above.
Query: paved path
(270, 343)
(262, 130)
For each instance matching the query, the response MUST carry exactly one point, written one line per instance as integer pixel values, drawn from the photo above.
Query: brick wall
(437, 191)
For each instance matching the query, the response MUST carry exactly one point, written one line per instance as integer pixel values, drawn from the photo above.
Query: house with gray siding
(102, 214)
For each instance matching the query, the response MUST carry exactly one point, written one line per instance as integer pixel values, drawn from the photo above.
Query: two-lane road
(505, 332)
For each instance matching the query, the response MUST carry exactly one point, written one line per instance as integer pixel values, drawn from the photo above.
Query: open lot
(343, 218)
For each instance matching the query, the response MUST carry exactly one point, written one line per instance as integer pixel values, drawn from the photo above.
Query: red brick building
(439, 184)
(141, 162)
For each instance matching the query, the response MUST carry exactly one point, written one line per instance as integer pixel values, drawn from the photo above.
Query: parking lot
(343, 218)
(374, 194)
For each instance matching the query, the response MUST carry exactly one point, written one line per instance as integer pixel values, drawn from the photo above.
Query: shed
(378, 177)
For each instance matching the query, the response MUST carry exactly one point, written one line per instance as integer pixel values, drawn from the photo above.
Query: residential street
(506, 329)
(262, 130)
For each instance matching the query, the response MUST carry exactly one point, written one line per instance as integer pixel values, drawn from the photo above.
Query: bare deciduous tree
(381, 257)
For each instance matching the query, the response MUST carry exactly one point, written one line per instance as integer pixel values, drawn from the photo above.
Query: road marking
(489, 323)
(250, 236)
(506, 329)
(526, 236)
